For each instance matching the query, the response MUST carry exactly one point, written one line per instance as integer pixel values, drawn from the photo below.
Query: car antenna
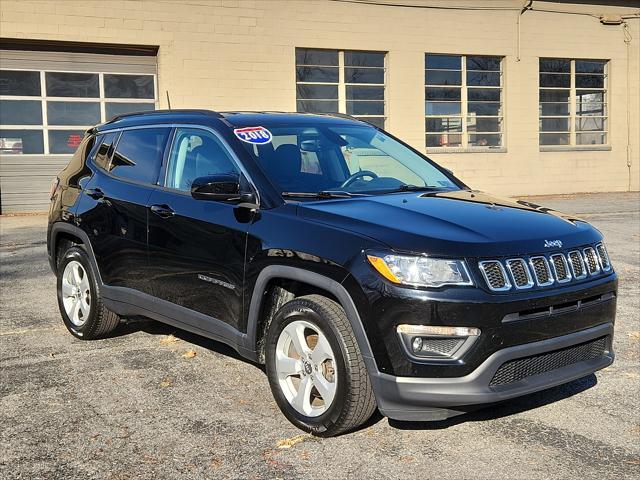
(168, 100)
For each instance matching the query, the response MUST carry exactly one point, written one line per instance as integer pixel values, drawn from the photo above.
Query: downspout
(627, 41)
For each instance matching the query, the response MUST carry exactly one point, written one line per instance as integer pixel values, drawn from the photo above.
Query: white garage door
(47, 101)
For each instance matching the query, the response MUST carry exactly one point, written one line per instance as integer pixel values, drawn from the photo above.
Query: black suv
(362, 274)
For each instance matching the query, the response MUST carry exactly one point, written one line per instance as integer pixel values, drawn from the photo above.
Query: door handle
(95, 193)
(164, 211)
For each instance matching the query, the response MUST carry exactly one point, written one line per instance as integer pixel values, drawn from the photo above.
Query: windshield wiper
(413, 188)
(321, 194)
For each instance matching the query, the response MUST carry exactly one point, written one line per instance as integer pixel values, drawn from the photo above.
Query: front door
(197, 247)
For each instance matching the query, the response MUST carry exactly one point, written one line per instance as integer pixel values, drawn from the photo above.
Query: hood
(460, 223)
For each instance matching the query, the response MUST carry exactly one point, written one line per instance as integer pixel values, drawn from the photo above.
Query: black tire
(354, 401)
(100, 321)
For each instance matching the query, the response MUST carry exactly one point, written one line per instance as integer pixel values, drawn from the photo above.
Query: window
(573, 102)
(196, 153)
(337, 81)
(105, 149)
(139, 153)
(463, 101)
(48, 112)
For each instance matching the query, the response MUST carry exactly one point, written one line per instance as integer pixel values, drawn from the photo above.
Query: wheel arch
(61, 232)
(310, 282)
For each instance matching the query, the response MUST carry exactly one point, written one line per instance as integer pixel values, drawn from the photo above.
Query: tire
(79, 299)
(344, 377)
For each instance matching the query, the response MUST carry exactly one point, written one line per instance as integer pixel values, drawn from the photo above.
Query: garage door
(47, 102)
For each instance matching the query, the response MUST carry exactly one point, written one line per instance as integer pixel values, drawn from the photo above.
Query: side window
(196, 153)
(102, 150)
(138, 155)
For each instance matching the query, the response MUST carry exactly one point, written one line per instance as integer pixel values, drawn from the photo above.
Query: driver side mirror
(224, 187)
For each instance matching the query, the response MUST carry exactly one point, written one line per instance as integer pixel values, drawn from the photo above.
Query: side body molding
(317, 280)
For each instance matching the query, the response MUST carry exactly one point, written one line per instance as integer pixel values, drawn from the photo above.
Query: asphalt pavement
(153, 402)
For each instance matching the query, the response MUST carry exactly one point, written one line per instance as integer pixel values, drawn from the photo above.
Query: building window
(573, 102)
(48, 112)
(341, 81)
(463, 102)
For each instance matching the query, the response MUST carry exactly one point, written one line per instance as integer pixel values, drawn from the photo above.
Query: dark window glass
(597, 109)
(323, 92)
(317, 106)
(586, 66)
(588, 123)
(442, 108)
(377, 121)
(365, 93)
(73, 113)
(444, 140)
(15, 82)
(365, 108)
(554, 95)
(554, 139)
(65, 141)
(105, 150)
(16, 142)
(20, 112)
(484, 94)
(557, 65)
(485, 140)
(363, 75)
(442, 93)
(444, 124)
(113, 109)
(589, 81)
(443, 77)
(483, 124)
(482, 79)
(364, 59)
(591, 138)
(554, 124)
(554, 109)
(483, 63)
(138, 154)
(128, 86)
(555, 80)
(72, 84)
(317, 74)
(484, 108)
(444, 62)
(308, 56)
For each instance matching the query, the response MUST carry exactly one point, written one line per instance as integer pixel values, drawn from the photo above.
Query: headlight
(421, 271)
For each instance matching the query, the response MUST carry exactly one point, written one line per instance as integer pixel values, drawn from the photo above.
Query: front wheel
(315, 368)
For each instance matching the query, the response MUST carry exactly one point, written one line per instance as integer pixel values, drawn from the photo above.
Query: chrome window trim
(606, 252)
(530, 282)
(584, 267)
(586, 262)
(568, 276)
(535, 275)
(507, 285)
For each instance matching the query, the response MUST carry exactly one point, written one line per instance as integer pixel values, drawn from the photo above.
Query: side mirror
(224, 187)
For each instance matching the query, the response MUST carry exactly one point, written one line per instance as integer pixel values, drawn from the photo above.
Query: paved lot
(133, 406)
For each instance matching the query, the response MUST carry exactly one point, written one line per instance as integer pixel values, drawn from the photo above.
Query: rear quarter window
(138, 155)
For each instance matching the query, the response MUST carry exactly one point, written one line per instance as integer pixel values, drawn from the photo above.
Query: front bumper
(416, 398)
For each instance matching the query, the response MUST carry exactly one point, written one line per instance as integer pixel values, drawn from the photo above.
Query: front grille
(495, 275)
(591, 260)
(560, 268)
(519, 273)
(516, 370)
(603, 255)
(577, 265)
(541, 271)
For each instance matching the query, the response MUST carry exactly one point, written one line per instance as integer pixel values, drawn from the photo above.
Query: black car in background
(360, 272)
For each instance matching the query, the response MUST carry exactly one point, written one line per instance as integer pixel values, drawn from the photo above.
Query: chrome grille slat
(603, 255)
(541, 271)
(591, 261)
(560, 268)
(577, 265)
(495, 275)
(519, 273)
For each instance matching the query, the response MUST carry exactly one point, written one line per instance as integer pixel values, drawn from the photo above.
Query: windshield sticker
(254, 135)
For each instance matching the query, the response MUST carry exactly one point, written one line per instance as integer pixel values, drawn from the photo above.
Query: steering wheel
(356, 176)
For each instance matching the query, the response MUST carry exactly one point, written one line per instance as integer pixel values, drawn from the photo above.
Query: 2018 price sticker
(254, 135)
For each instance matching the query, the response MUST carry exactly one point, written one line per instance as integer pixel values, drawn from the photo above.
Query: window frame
(45, 128)
(342, 85)
(573, 116)
(464, 101)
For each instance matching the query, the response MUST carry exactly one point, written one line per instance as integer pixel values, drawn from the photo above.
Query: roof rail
(164, 112)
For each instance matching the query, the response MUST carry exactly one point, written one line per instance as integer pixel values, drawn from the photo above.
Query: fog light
(416, 344)
(434, 330)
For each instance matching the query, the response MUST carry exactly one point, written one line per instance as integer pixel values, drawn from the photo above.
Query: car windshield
(343, 160)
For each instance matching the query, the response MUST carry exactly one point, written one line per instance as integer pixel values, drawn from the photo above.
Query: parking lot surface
(156, 402)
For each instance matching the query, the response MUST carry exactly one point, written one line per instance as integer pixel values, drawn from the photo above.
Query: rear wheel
(315, 368)
(79, 299)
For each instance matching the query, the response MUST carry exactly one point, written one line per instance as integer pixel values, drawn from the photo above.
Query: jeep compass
(359, 272)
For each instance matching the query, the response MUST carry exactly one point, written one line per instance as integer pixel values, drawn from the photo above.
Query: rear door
(197, 247)
(114, 211)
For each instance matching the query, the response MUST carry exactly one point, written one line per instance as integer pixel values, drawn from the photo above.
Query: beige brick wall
(239, 54)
